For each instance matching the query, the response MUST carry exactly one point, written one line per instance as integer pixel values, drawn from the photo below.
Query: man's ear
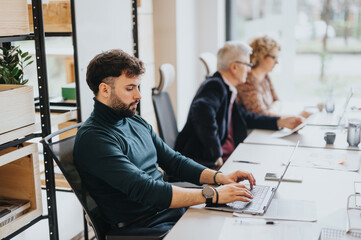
(104, 90)
(232, 67)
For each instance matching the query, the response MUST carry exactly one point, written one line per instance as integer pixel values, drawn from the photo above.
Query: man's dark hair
(112, 63)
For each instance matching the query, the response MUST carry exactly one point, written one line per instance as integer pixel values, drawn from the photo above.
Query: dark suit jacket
(207, 125)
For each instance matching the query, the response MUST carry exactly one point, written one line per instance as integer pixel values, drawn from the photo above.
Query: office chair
(166, 121)
(210, 62)
(62, 152)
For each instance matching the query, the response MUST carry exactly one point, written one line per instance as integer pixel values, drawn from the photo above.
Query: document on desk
(286, 132)
(235, 228)
(328, 159)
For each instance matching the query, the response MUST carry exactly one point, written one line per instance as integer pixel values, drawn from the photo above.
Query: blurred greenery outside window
(327, 35)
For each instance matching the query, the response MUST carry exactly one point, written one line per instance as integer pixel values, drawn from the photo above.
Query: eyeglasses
(273, 57)
(247, 64)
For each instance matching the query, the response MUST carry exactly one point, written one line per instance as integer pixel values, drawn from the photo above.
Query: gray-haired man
(216, 124)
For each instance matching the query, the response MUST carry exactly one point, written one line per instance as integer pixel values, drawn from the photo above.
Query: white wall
(146, 54)
(187, 56)
(211, 22)
(183, 29)
(101, 25)
(164, 21)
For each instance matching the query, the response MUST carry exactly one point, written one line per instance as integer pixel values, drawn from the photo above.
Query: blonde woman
(257, 93)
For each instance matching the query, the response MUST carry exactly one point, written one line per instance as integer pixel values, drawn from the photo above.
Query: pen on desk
(270, 222)
(256, 221)
(244, 161)
(243, 219)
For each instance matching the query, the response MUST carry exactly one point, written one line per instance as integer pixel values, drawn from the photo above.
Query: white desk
(327, 119)
(328, 188)
(309, 136)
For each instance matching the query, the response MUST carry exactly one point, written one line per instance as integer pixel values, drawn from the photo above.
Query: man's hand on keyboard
(236, 177)
(233, 192)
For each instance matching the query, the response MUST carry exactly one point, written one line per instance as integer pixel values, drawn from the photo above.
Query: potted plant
(12, 64)
(16, 99)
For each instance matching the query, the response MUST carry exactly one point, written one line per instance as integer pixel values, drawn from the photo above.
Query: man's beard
(121, 108)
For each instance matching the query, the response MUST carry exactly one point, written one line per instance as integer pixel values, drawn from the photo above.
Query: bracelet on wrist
(214, 178)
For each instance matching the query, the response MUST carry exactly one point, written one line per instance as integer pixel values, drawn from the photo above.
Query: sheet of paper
(287, 132)
(344, 161)
(233, 229)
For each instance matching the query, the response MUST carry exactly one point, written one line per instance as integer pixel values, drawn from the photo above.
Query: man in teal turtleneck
(117, 154)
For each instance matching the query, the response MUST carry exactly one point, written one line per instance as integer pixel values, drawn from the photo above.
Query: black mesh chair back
(62, 153)
(166, 121)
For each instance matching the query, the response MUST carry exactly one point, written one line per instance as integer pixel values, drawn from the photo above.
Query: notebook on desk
(327, 119)
(262, 197)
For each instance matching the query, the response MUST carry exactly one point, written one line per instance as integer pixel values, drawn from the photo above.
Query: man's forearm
(207, 176)
(185, 197)
(230, 191)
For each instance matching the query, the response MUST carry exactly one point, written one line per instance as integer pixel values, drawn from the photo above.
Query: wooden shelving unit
(33, 128)
(19, 160)
(19, 110)
(14, 18)
(20, 179)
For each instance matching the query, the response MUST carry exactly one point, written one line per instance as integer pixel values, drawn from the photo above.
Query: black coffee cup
(330, 137)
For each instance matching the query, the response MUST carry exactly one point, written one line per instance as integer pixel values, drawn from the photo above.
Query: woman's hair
(107, 65)
(262, 46)
(231, 51)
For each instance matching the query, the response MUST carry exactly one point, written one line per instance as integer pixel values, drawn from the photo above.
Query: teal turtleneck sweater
(118, 158)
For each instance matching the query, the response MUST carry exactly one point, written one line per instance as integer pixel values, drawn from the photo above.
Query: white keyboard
(258, 192)
(336, 234)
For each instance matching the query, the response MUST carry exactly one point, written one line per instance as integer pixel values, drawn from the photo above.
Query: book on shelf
(10, 209)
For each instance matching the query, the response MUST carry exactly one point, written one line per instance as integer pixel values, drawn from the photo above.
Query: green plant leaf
(13, 59)
(6, 73)
(14, 72)
(24, 54)
(28, 63)
(12, 63)
(27, 58)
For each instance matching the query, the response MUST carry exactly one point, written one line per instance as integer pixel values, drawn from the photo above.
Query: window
(320, 40)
